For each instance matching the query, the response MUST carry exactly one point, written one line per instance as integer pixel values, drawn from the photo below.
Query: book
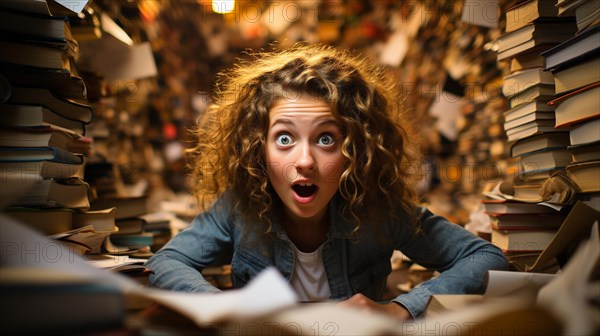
(67, 84)
(35, 55)
(126, 206)
(521, 80)
(526, 109)
(585, 153)
(582, 45)
(540, 142)
(46, 162)
(545, 159)
(529, 120)
(587, 14)
(585, 132)
(514, 207)
(577, 76)
(35, 116)
(526, 12)
(42, 300)
(133, 240)
(51, 30)
(527, 192)
(586, 175)
(46, 221)
(539, 92)
(69, 108)
(64, 193)
(45, 136)
(537, 33)
(100, 220)
(50, 27)
(526, 221)
(527, 60)
(522, 133)
(522, 240)
(577, 106)
(131, 225)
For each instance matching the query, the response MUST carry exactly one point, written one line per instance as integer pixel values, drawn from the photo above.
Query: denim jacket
(357, 264)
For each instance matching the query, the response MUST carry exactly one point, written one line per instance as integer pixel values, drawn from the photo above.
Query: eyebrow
(323, 121)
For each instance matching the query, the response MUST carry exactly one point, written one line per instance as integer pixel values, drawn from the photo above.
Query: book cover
(579, 46)
(577, 106)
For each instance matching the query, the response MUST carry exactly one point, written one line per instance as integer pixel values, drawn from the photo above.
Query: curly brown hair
(230, 152)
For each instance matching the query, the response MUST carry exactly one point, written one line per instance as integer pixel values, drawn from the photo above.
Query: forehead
(300, 107)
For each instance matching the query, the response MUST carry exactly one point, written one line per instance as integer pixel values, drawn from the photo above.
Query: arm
(461, 257)
(208, 241)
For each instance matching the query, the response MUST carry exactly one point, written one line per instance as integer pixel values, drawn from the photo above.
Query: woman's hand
(364, 303)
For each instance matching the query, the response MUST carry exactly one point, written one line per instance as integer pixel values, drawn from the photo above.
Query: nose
(305, 160)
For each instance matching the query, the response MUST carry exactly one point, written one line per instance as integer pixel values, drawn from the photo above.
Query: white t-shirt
(309, 279)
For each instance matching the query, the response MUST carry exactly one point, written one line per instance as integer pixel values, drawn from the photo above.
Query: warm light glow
(223, 6)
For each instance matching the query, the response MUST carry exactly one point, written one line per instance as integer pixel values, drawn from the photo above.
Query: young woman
(307, 165)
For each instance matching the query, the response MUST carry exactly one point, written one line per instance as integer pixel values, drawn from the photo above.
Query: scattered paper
(267, 293)
(501, 283)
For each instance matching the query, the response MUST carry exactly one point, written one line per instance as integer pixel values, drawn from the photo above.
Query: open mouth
(305, 190)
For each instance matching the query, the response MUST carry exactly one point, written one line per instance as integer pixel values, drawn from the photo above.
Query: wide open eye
(326, 140)
(284, 139)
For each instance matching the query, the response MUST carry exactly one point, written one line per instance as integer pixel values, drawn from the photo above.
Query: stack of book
(575, 67)
(522, 230)
(539, 149)
(43, 117)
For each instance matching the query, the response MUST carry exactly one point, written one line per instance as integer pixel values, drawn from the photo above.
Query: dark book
(36, 116)
(50, 30)
(526, 221)
(540, 142)
(66, 84)
(526, 12)
(45, 136)
(586, 152)
(538, 36)
(54, 193)
(35, 55)
(100, 220)
(133, 240)
(46, 162)
(68, 108)
(581, 46)
(130, 225)
(545, 159)
(577, 106)
(126, 206)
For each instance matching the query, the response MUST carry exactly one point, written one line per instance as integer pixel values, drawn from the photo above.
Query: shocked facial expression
(304, 155)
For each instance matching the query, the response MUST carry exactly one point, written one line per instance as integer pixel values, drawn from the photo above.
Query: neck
(307, 233)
